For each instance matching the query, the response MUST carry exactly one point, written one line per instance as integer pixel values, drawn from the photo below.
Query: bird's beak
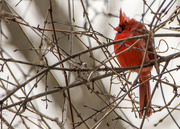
(118, 29)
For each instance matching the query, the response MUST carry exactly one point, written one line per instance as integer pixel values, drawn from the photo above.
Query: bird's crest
(123, 18)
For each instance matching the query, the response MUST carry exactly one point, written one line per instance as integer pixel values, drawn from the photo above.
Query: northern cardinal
(127, 28)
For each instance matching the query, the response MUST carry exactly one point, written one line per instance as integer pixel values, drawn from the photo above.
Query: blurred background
(51, 52)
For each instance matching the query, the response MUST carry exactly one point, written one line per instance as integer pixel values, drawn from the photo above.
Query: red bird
(127, 28)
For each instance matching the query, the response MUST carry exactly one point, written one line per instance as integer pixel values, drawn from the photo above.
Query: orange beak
(118, 29)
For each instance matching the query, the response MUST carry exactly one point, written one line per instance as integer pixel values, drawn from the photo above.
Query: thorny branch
(85, 75)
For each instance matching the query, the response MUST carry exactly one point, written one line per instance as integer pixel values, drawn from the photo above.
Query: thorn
(111, 26)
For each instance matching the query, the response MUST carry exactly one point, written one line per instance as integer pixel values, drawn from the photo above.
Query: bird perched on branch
(142, 50)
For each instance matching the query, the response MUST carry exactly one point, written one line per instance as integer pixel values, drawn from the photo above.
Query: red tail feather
(144, 96)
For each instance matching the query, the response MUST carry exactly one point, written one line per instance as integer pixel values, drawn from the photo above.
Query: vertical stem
(62, 65)
(1, 7)
(1, 103)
